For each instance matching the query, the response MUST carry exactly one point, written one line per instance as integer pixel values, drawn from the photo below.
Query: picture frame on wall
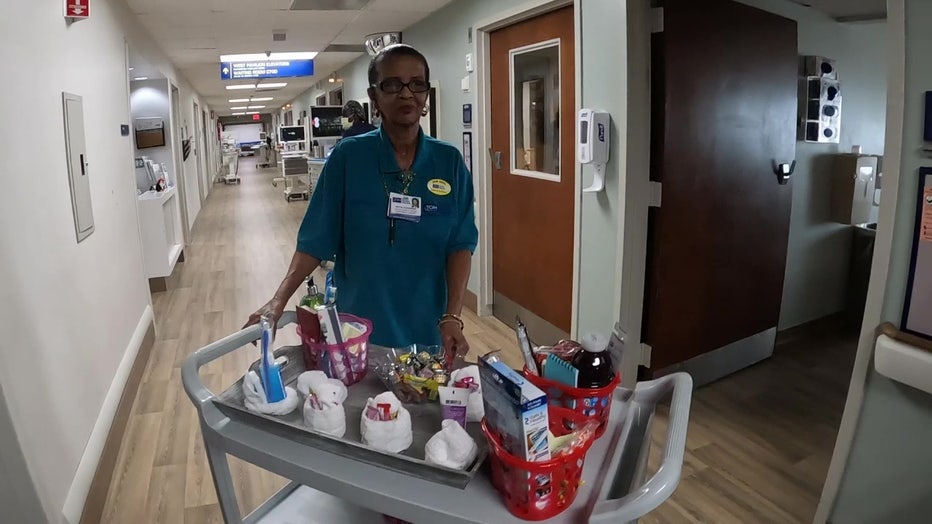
(917, 309)
(467, 149)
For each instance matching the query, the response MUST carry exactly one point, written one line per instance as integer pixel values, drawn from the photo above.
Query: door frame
(482, 101)
(175, 119)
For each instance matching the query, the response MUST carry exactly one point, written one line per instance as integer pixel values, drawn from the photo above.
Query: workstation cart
(334, 488)
(295, 177)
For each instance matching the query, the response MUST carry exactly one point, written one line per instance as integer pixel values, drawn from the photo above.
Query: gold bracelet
(450, 317)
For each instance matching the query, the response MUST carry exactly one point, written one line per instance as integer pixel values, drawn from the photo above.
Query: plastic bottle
(594, 362)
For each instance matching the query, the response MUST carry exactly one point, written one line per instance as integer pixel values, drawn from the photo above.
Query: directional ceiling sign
(270, 69)
(77, 8)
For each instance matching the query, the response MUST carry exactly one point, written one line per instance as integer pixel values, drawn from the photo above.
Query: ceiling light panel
(262, 57)
(241, 86)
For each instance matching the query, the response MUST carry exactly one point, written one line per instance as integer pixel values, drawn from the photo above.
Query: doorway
(532, 94)
(717, 245)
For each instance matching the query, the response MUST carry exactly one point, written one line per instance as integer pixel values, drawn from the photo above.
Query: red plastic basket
(347, 362)
(538, 490)
(593, 403)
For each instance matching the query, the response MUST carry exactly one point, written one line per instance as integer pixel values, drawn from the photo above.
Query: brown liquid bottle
(594, 362)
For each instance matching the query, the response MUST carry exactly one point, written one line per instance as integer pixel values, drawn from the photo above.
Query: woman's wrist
(451, 319)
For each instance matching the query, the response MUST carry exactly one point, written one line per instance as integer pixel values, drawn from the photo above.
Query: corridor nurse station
(466, 261)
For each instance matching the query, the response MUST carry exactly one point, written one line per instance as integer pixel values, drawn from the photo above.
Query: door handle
(784, 171)
(81, 160)
(496, 158)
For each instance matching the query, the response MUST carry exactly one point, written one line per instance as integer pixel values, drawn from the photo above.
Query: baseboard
(88, 493)
(471, 301)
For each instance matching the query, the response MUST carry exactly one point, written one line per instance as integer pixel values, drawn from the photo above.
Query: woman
(354, 120)
(403, 268)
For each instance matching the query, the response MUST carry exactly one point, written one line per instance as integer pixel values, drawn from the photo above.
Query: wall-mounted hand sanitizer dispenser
(593, 146)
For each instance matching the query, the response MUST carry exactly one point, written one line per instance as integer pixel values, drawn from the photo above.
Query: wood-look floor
(758, 447)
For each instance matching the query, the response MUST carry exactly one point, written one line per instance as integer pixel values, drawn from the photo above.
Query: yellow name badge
(439, 187)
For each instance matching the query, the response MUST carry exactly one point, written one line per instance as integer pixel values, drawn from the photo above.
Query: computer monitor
(326, 121)
(288, 134)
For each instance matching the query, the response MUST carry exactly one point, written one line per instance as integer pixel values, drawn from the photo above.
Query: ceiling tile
(194, 33)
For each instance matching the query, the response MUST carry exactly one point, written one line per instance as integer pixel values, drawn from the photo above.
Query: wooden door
(533, 171)
(724, 110)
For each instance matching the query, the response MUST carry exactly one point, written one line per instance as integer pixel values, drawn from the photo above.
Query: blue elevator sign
(270, 69)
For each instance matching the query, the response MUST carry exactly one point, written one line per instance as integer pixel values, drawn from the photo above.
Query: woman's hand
(454, 342)
(272, 309)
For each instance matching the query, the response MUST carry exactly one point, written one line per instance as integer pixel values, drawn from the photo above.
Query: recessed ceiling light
(262, 57)
(252, 112)
(273, 85)
(256, 107)
(238, 114)
(235, 100)
(140, 78)
(238, 108)
(262, 99)
(242, 86)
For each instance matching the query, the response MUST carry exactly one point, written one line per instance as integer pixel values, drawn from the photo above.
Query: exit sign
(77, 8)
(256, 117)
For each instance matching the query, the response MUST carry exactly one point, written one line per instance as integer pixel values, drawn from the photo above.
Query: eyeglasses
(394, 85)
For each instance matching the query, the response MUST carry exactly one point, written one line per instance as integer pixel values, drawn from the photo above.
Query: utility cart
(335, 488)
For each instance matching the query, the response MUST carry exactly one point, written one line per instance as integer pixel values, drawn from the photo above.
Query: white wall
(149, 99)
(72, 314)
(887, 475)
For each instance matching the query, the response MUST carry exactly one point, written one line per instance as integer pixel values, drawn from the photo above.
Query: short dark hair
(394, 51)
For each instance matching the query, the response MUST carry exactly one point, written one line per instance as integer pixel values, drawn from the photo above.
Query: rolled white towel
(475, 410)
(307, 379)
(255, 399)
(451, 447)
(323, 409)
(393, 435)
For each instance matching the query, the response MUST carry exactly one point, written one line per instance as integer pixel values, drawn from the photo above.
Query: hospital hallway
(759, 441)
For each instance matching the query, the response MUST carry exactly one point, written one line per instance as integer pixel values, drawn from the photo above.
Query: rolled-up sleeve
(465, 234)
(321, 230)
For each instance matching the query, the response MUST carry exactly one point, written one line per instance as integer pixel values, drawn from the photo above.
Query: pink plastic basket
(347, 362)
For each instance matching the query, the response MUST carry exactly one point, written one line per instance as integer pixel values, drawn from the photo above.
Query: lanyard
(406, 177)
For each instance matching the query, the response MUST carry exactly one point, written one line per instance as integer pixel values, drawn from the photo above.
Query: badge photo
(439, 187)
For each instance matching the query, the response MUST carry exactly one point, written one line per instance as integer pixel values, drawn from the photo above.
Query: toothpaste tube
(453, 404)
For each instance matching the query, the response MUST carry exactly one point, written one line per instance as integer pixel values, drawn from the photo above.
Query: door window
(535, 110)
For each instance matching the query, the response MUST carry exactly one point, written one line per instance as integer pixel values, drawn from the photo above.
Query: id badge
(404, 207)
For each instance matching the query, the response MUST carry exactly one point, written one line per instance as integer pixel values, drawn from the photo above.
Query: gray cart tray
(425, 421)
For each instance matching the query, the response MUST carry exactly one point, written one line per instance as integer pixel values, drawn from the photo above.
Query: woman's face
(404, 108)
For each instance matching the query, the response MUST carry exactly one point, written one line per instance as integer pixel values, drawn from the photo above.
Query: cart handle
(190, 377)
(645, 498)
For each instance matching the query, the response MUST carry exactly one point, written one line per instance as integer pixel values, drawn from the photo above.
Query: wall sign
(77, 9)
(271, 69)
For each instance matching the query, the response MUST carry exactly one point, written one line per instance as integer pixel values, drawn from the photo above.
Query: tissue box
(516, 410)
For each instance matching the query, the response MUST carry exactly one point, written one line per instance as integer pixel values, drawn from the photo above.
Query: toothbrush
(270, 373)
(524, 343)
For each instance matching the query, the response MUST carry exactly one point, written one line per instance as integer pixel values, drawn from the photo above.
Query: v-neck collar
(387, 161)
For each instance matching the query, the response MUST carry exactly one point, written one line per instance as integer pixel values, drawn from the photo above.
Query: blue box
(516, 410)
